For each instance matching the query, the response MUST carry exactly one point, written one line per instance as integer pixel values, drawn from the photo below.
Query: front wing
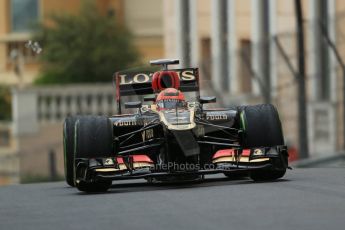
(130, 167)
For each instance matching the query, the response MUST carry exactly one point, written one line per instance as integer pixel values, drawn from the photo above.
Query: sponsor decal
(132, 122)
(216, 116)
(258, 152)
(125, 123)
(108, 161)
(139, 78)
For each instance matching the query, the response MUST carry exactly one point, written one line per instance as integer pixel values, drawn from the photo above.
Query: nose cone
(179, 119)
(187, 142)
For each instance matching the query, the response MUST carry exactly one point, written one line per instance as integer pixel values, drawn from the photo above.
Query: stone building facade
(235, 44)
(17, 16)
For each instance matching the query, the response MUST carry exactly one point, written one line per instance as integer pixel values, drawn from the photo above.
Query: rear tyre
(68, 141)
(94, 139)
(262, 128)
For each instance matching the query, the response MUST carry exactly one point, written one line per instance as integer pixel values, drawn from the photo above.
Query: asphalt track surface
(304, 199)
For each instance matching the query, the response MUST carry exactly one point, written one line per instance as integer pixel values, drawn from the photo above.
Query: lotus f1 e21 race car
(170, 138)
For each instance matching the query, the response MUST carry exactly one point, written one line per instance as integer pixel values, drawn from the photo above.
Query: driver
(170, 98)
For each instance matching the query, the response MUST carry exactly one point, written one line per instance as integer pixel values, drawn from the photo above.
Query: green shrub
(88, 47)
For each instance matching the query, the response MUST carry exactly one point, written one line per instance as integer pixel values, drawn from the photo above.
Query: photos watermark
(174, 166)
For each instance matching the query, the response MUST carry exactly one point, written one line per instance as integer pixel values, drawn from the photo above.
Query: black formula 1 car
(171, 138)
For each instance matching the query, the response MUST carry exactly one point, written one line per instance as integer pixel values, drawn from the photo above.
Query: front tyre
(262, 128)
(68, 141)
(94, 139)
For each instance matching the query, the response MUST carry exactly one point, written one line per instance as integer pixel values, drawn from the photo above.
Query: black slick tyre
(94, 139)
(262, 128)
(68, 141)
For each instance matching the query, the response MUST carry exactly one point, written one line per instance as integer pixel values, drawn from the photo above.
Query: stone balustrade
(50, 104)
(9, 168)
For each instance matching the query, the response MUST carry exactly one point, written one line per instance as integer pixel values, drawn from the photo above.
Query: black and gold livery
(181, 143)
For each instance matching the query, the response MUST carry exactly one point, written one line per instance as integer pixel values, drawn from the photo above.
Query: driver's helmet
(170, 98)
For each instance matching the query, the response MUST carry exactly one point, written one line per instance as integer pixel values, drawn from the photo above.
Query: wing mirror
(132, 104)
(205, 100)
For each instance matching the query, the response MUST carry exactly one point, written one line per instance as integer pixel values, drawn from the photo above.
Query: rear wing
(139, 83)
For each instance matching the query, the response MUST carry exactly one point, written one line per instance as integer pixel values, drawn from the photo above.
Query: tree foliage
(88, 47)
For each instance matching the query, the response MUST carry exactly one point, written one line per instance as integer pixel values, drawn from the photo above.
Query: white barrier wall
(322, 128)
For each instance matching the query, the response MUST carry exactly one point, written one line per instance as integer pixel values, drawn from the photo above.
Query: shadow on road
(146, 187)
